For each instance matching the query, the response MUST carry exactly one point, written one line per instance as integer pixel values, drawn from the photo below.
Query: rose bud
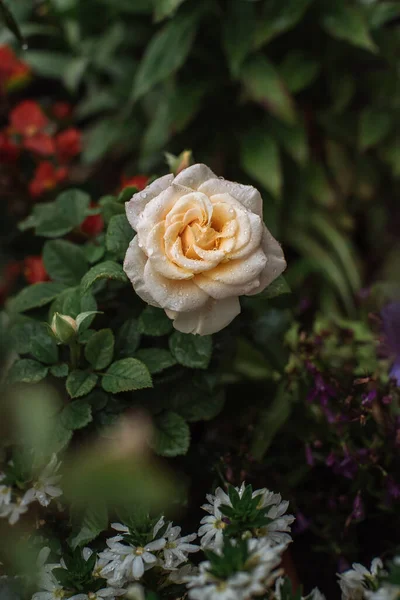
(64, 328)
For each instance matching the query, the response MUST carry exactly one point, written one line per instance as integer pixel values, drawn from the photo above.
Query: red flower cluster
(12, 70)
(31, 130)
(139, 181)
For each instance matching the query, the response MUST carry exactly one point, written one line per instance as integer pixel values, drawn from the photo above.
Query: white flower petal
(137, 203)
(207, 320)
(137, 567)
(247, 195)
(134, 265)
(176, 295)
(276, 263)
(194, 176)
(156, 545)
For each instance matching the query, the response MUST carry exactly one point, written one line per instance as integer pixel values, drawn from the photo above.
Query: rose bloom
(200, 244)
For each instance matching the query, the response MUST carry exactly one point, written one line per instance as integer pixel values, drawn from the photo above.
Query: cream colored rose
(201, 243)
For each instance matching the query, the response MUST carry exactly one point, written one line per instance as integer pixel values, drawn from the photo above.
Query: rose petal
(247, 195)
(134, 264)
(219, 290)
(276, 262)
(157, 252)
(194, 176)
(138, 201)
(237, 272)
(156, 211)
(194, 200)
(180, 295)
(211, 318)
(193, 265)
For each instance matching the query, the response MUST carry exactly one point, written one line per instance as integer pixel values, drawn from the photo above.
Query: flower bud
(64, 328)
(179, 163)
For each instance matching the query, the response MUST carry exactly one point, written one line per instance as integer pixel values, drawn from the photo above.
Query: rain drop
(24, 46)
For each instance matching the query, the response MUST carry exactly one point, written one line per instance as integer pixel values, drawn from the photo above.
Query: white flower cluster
(359, 583)
(44, 489)
(212, 526)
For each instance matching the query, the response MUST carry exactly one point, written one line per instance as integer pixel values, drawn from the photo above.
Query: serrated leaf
(27, 370)
(260, 159)
(81, 318)
(349, 24)
(192, 351)
(72, 303)
(60, 370)
(32, 337)
(36, 295)
(264, 85)
(154, 322)
(155, 359)
(374, 126)
(76, 415)
(171, 435)
(100, 349)
(127, 339)
(119, 235)
(166, 52)
(104, 270)
(79, 383)
(125, 375)
(94, 522)
(64, 262)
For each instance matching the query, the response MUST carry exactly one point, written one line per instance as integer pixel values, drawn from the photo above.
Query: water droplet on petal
(24, 46)
(150, 252)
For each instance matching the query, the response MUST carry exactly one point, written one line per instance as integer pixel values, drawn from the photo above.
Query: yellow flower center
(139, 551)
(170, 545)
(219, 524)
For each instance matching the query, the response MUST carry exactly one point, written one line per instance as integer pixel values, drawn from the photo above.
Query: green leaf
(298, 71)
(166, 52)
(195, 405)
(293, 139)
(156, 359)
(165, 8)
(79, 383)
(76, 415)
(125, 375)
(279, 17)
(48, 63)
(57, 218)
(101, 138)
(374, 126)
(192, 351)
(74, 72)
(60, 370)
(153, 321)
(27, 370)
(9, 20)
(264, 85)
(119, 236)
(32, 337)
(260, 159)
(171, 435)
(65, 262)
(380, 13)
(94, 522)
(100, 349)
(104, 270)
(238, 27)
(59, 437)
(72, 303)
(348, 23)
(81, 318)
(270, 421)
(36, 295)
(127, 339)
(276, 288)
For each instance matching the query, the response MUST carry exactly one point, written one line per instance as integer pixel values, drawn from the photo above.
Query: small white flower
(44, 489)
(182, 574)
(52, 590)
(258, 574)
(276, 531)
(353, 582)
(315, 594)
(5, 493)
(177, 548)
(127, 562)
(14, 510)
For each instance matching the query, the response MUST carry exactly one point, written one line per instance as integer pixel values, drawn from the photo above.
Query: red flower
(12, 70)
(47, 177)
(28, 120)
(8, 150)
(93, 225)
(139, 181)
(68, 144)
(61, 110)
(34, 271)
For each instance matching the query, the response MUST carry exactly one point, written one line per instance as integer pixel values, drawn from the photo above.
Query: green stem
(75, 353)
